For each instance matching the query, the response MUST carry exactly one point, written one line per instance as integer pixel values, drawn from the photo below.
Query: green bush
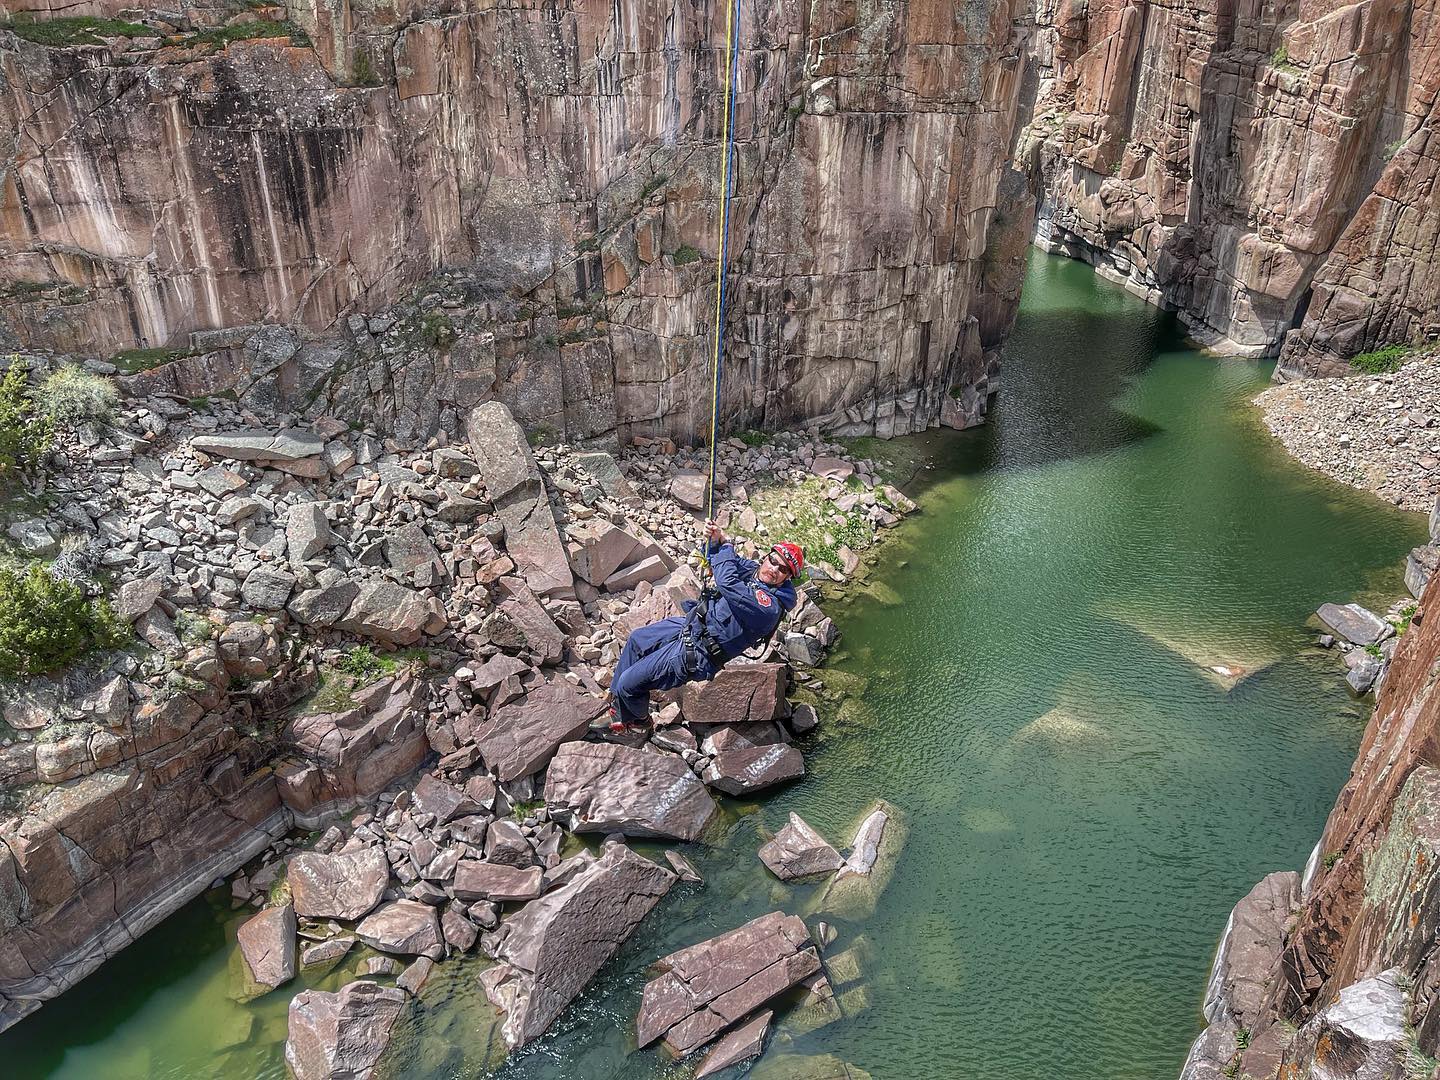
(24, 435)
(1379, 361)
(73, 395)
(47, 624)
(437, 330)
(686, 255)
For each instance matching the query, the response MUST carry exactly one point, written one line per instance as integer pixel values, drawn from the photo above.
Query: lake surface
(1028, 682)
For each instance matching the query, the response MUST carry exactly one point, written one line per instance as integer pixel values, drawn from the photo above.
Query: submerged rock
(745, 1042)
(606, 787)
(552, 947)
(1353, 623)
(341, 1036)
(799, 851)
(706, 988)
(267, 950)
(856, 887)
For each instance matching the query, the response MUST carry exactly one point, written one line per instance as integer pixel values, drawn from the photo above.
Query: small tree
(47, 624)
(24, 435)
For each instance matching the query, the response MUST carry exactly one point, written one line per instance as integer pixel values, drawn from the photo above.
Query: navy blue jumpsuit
(655, 657)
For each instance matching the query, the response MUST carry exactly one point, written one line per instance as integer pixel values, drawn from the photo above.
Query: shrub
(686, 255)
(1281, 60)
(24, 436)
(363, 664)
(437, 330)
(73, 395)
(47, 624)
(1379, 361)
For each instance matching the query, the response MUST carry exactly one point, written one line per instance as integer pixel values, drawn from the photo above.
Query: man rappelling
(741, 607)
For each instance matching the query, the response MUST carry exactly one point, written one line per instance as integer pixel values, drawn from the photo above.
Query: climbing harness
(722, 253)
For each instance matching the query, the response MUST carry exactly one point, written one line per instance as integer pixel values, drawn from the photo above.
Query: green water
(1086, 800)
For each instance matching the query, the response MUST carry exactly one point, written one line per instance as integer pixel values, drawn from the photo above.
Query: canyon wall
(1268, 170)
(1334, 972)
(536, 184)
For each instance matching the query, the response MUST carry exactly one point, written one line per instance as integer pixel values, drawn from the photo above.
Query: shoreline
(497, 630)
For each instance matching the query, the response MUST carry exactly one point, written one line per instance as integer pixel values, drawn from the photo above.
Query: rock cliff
(1266, 169)
(536, 185)
(1340, 963)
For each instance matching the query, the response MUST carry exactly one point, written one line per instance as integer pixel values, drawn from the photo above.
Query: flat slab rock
(253, 445)
(738, 693)
(344, 1034)
(552, 947)
(607, 787)
(745, 1042)
(798, 851)
(405, 928)
(1353, 623)
(522, 736)
(708, 987)
(345, 886)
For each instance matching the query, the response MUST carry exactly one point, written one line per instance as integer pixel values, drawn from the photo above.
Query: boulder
(688, 489)
(512, 480)
(552, 947)
(433, 796)
(267, 949)
(307, 531)
(413, 557)
(405, 928)
(598, 548)
(341, 1036)
(325, 954)
(327, 603)
(1363, 1036)
(605, 472)
(495, 671)
(522, 736)
(738, 693)
(266, 588)
(606, 787)
(135, 598)
(538, 631)
(344, 886)
(1353, 623)
(505, 843)
(1420, 566)
(702, 990)
(265, 446)
(737, 772)
(743, 1043)
(388, 612)
(652, 569)
(832, 468)
(1363, 672)
(798, 851)
(475, 880)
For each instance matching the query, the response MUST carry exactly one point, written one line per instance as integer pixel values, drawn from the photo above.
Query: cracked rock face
(865, 267)
(523, 735)
(708, 987)
(551, 949)
(267, 949)
(1268, 172)
(798, 851)
(607, 787)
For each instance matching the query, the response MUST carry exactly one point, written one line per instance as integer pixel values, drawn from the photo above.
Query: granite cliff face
(537, 185)
(1268, 170)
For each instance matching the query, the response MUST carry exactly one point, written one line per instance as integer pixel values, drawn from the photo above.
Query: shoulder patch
(763, 598)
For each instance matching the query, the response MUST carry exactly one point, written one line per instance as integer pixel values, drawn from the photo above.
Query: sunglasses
(775, 561)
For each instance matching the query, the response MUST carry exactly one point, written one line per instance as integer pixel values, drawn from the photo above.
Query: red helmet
(793, 555)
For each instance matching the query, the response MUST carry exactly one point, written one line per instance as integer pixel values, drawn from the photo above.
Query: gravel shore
(1376, 432)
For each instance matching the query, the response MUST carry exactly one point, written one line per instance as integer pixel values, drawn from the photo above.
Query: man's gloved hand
(714, 535)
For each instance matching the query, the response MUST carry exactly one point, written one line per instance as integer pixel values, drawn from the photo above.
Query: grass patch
(685, 255)
(1380, 361)
(1280, 60)
(1331, 859)
(132, 361)
(814, 527)
(193, 628)
(654, 184)
(365, 664)
(753, 438)
(523, 810)
(46, 625)
(1407, 616)
(218, 38)
(77, 30)
(542, 435)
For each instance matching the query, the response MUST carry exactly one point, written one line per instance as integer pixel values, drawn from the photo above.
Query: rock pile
(1377, 432)
(272, 576)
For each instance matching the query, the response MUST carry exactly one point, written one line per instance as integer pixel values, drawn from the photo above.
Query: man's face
(773, 570)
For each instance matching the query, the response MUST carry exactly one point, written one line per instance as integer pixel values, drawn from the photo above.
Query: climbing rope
(722, 247)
